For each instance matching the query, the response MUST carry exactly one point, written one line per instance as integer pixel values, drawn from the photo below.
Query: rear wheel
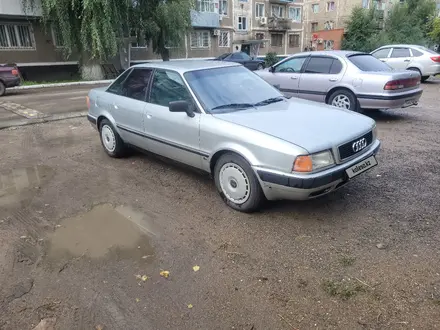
(237, 183)
(2, 88)
(111, 141)
(342, 98)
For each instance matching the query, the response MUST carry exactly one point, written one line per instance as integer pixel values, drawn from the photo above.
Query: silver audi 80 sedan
(224, 119)
(345, 79)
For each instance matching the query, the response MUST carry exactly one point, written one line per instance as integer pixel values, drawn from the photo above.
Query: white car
(410, 57)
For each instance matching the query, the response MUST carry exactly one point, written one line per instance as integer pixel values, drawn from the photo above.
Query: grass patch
(347, 260)
(343, 289)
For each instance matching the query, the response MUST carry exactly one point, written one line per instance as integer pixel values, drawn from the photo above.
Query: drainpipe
(186, 46)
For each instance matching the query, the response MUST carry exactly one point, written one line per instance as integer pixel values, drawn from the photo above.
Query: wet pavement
(86, 241)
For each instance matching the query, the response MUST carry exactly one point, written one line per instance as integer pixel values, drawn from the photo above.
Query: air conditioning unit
(263, 20)
(320, 41)
(216, 32)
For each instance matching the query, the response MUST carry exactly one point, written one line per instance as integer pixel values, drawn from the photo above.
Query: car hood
(310, 125)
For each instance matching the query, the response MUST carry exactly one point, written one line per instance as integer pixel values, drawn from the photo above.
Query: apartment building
(325, 20)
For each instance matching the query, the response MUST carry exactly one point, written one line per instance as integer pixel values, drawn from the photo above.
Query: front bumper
(278, 185)
(378, 101)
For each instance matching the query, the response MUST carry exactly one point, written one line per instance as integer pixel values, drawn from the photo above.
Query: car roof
(183, 66)
(341, 53)
(402, 45)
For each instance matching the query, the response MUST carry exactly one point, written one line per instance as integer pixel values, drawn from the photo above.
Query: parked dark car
(9, 77)
(242, 58)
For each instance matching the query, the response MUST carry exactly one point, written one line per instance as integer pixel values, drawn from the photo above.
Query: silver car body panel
(268, 137)
(368, 87)
(423, 62)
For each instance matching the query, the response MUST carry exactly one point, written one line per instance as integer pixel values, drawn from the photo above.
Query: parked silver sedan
(410, 57)
(345, 79)
(223, 119)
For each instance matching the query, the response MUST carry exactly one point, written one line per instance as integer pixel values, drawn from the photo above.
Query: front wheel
(2, 88)
(237, 183)
(343, 99)
(110, 139)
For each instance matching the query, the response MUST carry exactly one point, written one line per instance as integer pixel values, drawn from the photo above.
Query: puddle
(18, 184)
(105, 231)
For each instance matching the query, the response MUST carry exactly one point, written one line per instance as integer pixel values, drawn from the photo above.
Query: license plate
(409, 103)
(361, 167)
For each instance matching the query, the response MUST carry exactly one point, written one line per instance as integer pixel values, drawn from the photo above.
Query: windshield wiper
(269, 101)
(234, 106)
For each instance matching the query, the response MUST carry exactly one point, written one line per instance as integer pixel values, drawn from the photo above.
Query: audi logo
(359, 145)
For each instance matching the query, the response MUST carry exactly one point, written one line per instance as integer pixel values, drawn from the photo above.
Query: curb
(26, 122)
(76, 83)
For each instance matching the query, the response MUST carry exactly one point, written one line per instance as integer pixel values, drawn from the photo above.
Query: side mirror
(181, 106)
(272, 69)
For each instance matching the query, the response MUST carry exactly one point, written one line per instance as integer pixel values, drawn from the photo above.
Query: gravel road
(85, 239)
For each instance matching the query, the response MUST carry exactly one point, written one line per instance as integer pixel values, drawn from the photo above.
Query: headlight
(313, 162)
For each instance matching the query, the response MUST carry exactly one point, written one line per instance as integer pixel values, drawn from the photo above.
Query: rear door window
(400, 52)
(319, 65)
(336, 67)
(368, 63)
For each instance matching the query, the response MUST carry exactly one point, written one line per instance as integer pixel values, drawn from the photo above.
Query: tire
(2, 88)
(260, 66)
(424, 78)
(344, 99)
(237, 183)
(110, 140)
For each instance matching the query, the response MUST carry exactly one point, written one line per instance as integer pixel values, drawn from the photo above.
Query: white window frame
(15, 28)
(260, 5)
(315, 5)
(205, 6)
(200, 35)
(298, 9)
(328, 6)
(228, 38)
(55, 38)
(227, 7)
(367, 3)
(240, 23)
(281, 10)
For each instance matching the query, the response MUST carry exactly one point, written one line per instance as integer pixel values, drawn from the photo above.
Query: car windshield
(367, 62)
(223, 56)
(230, 89)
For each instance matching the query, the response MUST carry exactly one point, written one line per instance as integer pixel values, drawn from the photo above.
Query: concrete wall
(15, 8)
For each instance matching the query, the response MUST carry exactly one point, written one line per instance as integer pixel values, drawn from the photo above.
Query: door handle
(383, 60)
(333, 79)
(406, 61)
(294, 78)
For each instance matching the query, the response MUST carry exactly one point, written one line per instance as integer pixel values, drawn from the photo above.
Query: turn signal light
(303, 164)
(88, 102)
(14, 72)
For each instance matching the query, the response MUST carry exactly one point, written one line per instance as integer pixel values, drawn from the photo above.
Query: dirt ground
(85, 239)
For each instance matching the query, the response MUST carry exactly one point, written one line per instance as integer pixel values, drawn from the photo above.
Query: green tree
(362, 30)
(434, 34)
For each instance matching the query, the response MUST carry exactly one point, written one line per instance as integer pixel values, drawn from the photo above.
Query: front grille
(346, 150)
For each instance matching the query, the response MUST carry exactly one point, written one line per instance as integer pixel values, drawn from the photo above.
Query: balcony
(205, 19)
(279, 24)
(283, 2)
(15, 8)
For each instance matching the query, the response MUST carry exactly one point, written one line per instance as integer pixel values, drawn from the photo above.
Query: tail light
(401, 83)
(14, 72)
(88, 102)
(436, 59)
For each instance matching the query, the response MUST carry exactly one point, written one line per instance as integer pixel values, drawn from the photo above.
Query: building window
(330, 6)
(242, 23)
(200, 39)
(57, 37)
(205, 6)
(276, 40)
(223, 7)
(259, 10)
(293, 40)
(295, 14)
(260, 36)
(329, 25)
(139, 42)
(314, 27)
(315, 8)
(224, 39)
(366, 4)
(277, 11)
(16, 36)
(379, 5)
